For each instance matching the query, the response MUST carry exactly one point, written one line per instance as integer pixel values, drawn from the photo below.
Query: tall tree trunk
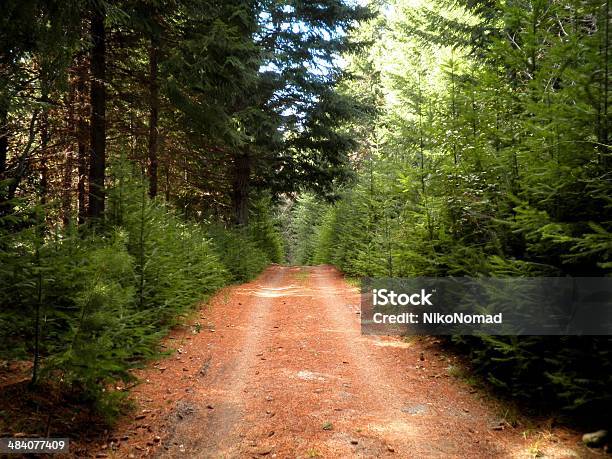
(4, 188)
(67, 187)
(240, 189)
(421, 136)
(605, 133)
(81, 136)
(153, 118)
(97, 165)
(68, 162)
(73, 116)
(3, 139)
(45, 138)
(39, 304)
(167, 187)
(44, 155)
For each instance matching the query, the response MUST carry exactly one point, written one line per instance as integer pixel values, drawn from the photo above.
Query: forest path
(278, 368)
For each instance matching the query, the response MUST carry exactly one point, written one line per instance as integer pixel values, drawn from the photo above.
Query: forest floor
(278, 368)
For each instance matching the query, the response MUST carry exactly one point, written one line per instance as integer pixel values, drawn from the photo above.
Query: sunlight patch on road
(275, 292)
(398, 344)
(545, 450)
(310, 376)
(395, 426)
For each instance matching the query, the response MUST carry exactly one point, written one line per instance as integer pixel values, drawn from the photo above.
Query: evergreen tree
(489, 156)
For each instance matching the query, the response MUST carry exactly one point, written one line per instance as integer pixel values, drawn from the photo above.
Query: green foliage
(175, 262)
(238, 252)
(20, 274)
(258, 81)
(94, 332)
(106, 295)
(264, 232)
(246, 250)
(90, 329)
(489, 155)
(301, 223)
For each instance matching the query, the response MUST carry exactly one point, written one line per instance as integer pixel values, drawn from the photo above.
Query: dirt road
(278, 368)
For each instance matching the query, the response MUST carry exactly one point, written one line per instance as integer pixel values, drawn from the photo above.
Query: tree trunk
(4, 188)
(97, 165)
(81, 136)
(153, 118)
(3, 140)
(167, 190)
(240, 189)
(44, 155)
(45, 138)
(606, 125)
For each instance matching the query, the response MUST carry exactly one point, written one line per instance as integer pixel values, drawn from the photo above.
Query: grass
(510, 415)
(468, 377)
(534, 451)
(541, 436)
(411, 339)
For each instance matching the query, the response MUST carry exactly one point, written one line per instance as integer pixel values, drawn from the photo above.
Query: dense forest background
(142, 146)
(485, 152)
(154, 151)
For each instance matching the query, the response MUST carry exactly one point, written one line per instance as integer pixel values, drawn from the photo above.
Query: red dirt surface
(278, 368)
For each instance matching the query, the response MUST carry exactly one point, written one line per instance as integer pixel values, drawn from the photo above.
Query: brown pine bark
(3, 140)
(240, 188)
(45, 137)
(97, 165)
(153, 118)
(82, 142)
